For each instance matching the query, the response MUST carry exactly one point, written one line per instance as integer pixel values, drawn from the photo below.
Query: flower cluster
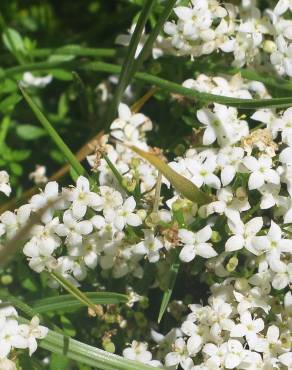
(253, 37)
(17, 336)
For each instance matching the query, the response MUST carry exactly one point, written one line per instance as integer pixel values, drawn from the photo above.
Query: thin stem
(129, 61)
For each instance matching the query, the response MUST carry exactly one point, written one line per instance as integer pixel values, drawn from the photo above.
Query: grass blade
(166, 85)
(152, 37)
(179, 182)
(68, 302)
(129, 61)
(53, 134)
(88, 355)
(173, 87)
(174, 268)
(74, 291)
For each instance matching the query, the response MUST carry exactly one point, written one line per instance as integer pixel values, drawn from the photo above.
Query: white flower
(286, 359)
(124, 215)
(243, 234)
(248, 326)
(28, 79)
(39, 175)
(81, 197)
(222, 125)
(195, 244)
(126, 127)
(50, 194)
(150, 246)
(282, 57)
(10, 337)
(283, 276)
(73, 229)
(32, 331)
(272, 244)
(179, 355)
(228, 204)
(138, 352)
(235, 354)
(282, 6)
(229, 159)
(110, 199)
(4, 183)
(261, 171)
(15, 221)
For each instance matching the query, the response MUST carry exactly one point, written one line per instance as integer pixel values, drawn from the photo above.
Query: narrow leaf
(147, 48)
(74, 291)
(179, 182)
(174, 268)
(88, 355)
(127, 67)
(68, 302)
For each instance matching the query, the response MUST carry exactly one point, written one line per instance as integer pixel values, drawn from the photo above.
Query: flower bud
(129, 184)
(232, 264)
(269, 46)
(241, 284)
(202, 212)
(215, 237)
(6, 279)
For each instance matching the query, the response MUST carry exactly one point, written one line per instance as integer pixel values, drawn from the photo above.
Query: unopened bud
(215, 237)
(241, 193)
(129, 184)
(232, 264)
(269, 46)
(241, 284)
(202, 212)
(6, 279)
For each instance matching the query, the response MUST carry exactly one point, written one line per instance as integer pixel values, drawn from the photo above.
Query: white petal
(187, 254)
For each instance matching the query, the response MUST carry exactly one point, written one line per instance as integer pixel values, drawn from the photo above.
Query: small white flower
(31, 332)
(15, 221)
(261, 171)
(28, 79)
(243, 234)
(4, 183)
(195, 244)
(73, 229)
(150, 246)
(248, 326)
(124, 215)
(81, 197)
(39, 175)
(138, 352)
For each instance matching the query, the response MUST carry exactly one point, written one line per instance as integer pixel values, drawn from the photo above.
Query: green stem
(126, 70)
(152, 37)
(169, 86)
(74, 50)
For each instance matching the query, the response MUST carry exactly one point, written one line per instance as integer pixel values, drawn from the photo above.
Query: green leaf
(174, 268)
(30, 132)
(88, 355)
(13, 40)
(147, 48)
(68, 302)
(179, 182)
(59, 362)
(53, 134)
(126, 71)
(74, 291)
(8, 104)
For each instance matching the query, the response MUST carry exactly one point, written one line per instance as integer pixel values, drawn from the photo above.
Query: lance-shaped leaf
(75, 292)
(179, 182)
(67, 302)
